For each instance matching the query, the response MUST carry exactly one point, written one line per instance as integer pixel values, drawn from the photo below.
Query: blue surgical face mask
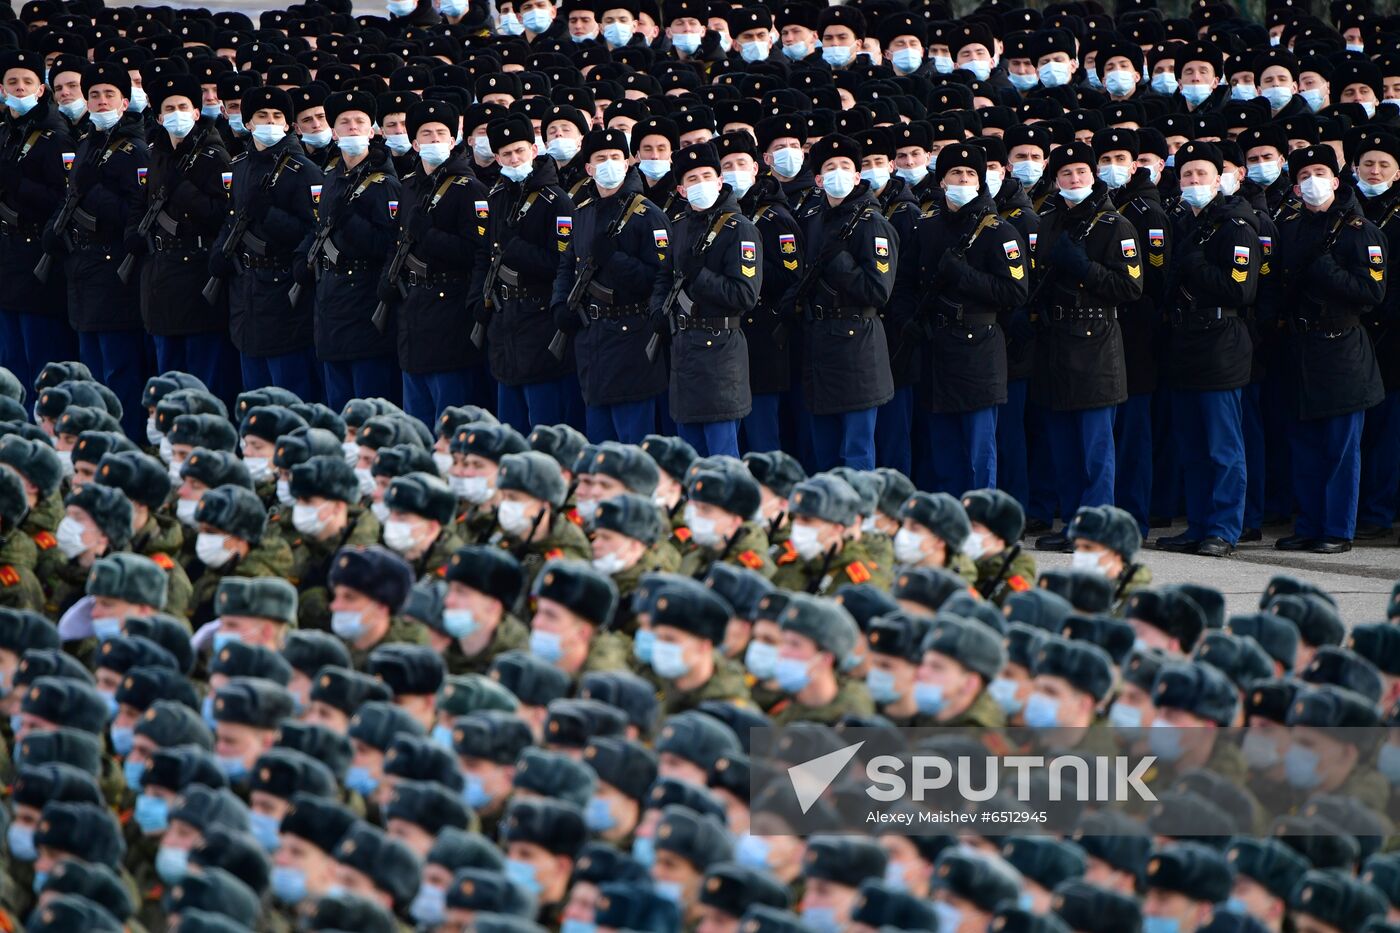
(1300, 767)
(578, 926)
(913, 175)
(233, 767)
(21, 105)
(536, 20)
(1198, 196)
(880, 683)
(655, 168)
(1164, 741)
(510, 23)
(523, 874)
(741, 182)
(1373, 191)
(1004, 690)
(1243, 92)
(41, 878)
(1119, 82)
(959, 195)
(822, 919)
(358, 779)
(562, 148)
(929, 698)
(761, 659)
(644, 851)
(481, 148)
(546, 646)
(617, 34)
(206, 712)
(838, 183)
(1028, 173)
(1264, 173)
(642, 645)
(138, 101)
(178, 123)
(474, 792)
(73, 109)
(667, 660)
(1388, 762)
(877, 177)
(597, 816)
(1161, 925)
(265, 829)
(1054, 74)
(105, 120)
(1023, 82)
(212, 111)
(353, 146)
(787, 162)
(943, 64)
(434, 154)
(442, 735)
(949, 917)
(981, 68)
(610, 174)
(172, 864)
(152, 814)
(796, 51)
(702, 195)
(1115, 176)
(401, 7)
(429, 907)
(754, 51)
(268, 134)
(1042, 712)
(837, 56)
(792, 675)
(317, 140)
(1195, 94)
(1123, 716)
(687, 42)
(223, 639)
(586, 37)
(906, 61)
(1278, 97)
(21, 842)
(518, 173)
(459, 623)
(289, 884)
(235, 123)
(398, 143)
(1314, 98)
(1075, 195)
(1164, 82)
(349, 626)
(753, 851)
(132, 773)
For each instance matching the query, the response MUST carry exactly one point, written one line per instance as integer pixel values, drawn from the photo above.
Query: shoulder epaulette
(547, 195)
(44, 540)
(9, 576)
(240, 157)
(163, 561)
(375, 177)
(1356, 221)
(294, 165)
(461, 179)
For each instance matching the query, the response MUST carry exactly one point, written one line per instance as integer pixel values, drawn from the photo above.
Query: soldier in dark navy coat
(357, 224)
(620, 385)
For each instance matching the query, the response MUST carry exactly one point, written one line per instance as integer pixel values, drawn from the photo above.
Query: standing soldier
(439, 268)
(392, 108)
(106, 188)
(845, 359)
(962, 265)
(532, 224)
(36, 151)
(620, 246)
(702, 297)
(1333, 260)
(188, 185)
(767, 327)
(356, 231)
(274, 185)
(654, 142)
(564, 127)
(1215, 275)
(1137, 199)
(1091, 265)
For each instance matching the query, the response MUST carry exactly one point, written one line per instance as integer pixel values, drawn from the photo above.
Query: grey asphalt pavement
(1360, 579)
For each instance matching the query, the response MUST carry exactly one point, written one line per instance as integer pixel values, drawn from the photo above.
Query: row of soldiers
(571, 225)
(335, 671)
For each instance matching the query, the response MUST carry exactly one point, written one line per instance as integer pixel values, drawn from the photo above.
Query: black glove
(53, 242)
(565, 319)
(661, 323)
(1068, 255)
(387, 291)
(259, 204)
(419, 225)
(135, 244)
(950, 269)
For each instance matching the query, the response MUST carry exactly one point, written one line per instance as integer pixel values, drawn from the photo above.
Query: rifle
(1079, 236)
(157, 205)
(813, 273)
(676, 296)
(61, 222)
(980, 222)
(241, 223)
(584, 283)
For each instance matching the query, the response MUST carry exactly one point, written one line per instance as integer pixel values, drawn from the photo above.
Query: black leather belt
(165, 243)
(266, 262)
(1329, 328)
(597, 312)
(686, 322)
(964, 320)
(1201, 318)
(84, 241)
(432, 278)
(1061, 313)
(348, 266)
(844, 314)
(516, 293)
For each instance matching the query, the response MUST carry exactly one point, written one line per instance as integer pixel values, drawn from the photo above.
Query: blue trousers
(29, 342)
(117, 359)
(1166, 467)
(1132, 450)
(208, 357)
(523, 407)
(1327, 474)
(373, 378)
(573, 403)
(712, 438)
(762, 430)
(296, 372)
(961, 451)
(1012, 476)
(1255, 456)
(1278, 468)
(628, 423)
(894, 425)
(805, 448)
(1210, 446)
(845, 440)
(425, 395)
(1380, 454)
(1040, 463)
(1081, 443)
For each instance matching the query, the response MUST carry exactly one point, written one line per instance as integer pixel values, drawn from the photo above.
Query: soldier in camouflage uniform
(629, 540)
(259, 432)
(721, 499)
(688, 621)
(327, 516)
(933, 529)
(778, 474)
(155, 535)
(960, 658)
(477, 450)
(291, 450)
(41, 473)
(419, 526)
(19, 587)
(533, 527)
(674, 458)
(1105, 540)
(98, 522)
(483, 587)
(1069, 681)
(823, 558)
(574, 608)
(370, 586)
(302, 874)
(896, 650)
(994, 544)
(817, 636)
(231, 543)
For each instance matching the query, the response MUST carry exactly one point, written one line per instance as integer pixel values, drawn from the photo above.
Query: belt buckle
(1057, 313)
(594, 312)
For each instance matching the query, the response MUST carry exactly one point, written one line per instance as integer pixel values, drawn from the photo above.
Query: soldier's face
(21, 82)
(67, 86)
(105, 98)
(1376, 167)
